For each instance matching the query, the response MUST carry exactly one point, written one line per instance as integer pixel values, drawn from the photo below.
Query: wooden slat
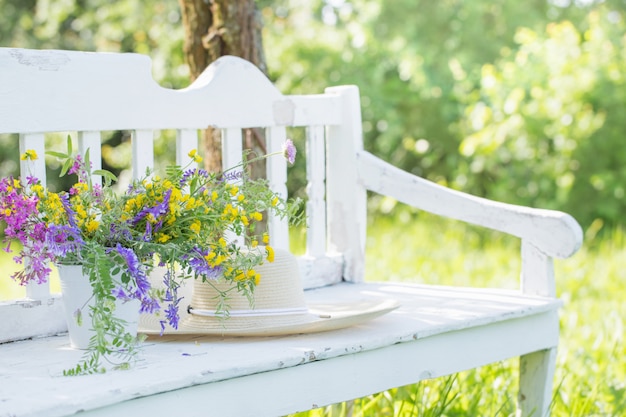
(537, 276)
(143, 152)
(231, 148)
(316, 191)
(345, 194)
(277, 177)
(186, 140)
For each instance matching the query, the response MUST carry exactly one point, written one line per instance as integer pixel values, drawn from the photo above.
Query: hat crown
(280, 288)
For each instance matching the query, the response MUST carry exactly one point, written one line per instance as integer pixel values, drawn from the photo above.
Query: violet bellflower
(172, 315)
(138, 274)
(63, 240)
(156, 212)
(198, 262)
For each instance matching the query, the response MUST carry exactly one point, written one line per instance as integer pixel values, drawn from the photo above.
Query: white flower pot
(77, 295)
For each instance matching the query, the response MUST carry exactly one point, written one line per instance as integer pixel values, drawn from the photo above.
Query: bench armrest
(554, 233)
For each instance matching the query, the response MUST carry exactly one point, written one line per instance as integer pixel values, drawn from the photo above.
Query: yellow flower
(7, 212)
(275, 201)
(241, 197)
(38, 189)
(218, 261)
(270, 253)
(16, 183)
(266, 238)
(244, 220)
(30, 154)
(222, 242)
(163, 237)
(92, 226)
(257, 216)
(234, 190)
(192, 153)
(195, 226)
(197, 159)
(214, 196)
(254, 243)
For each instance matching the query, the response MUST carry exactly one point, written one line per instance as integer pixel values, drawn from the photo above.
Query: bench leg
(535, 388)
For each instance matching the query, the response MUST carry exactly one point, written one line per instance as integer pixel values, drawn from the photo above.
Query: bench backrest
(84, 94)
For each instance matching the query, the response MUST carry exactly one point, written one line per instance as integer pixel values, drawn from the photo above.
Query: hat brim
(320, 318)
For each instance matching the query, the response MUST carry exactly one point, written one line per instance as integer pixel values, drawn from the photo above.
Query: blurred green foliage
(517, 101)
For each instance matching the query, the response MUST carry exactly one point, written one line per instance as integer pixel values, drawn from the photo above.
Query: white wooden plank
(316, 191)
(52, 84)
(186, 140)
(537, 276)
(143, 152)
(346, 197)
(554, 233)
(436, 331)
(536, 376)
(92, 141)
(329, 381)
(23, 319)
(277, 176)
(231, 148)
(35, 168)
(320, 271)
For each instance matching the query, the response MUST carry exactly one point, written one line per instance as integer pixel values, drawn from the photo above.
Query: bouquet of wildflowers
(184, 220)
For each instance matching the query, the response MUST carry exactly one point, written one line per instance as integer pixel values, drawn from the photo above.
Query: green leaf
(69, 145)
(60, 155)
(66, 167)
(108, 175)
(87, 160)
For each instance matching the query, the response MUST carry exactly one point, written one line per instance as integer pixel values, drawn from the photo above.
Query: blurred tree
(214, 29)
(422, 67)
(546, 124)
(460, 92)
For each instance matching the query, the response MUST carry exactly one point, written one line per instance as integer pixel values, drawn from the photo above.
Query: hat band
(248, 313)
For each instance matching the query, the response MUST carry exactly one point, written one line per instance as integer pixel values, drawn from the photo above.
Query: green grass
(591, 366)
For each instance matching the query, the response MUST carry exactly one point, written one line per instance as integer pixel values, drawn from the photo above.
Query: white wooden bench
(437, 330)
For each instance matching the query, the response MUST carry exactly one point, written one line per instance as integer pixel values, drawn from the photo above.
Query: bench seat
(189, 368)
(436, 331)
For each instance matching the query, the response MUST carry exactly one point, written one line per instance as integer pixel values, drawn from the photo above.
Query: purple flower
(139, 281)
(171, 296)
(156, 211)
(62, 240)
(198, 263)
(289, 151)
(71, 214)
(171, 315)
(119, 293)
(76, 166)
(231, 176)
(193, 172)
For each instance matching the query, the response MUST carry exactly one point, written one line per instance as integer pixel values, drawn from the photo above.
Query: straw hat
(279, 307)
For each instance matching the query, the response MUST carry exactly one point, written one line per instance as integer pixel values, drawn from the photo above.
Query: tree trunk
(214, 28)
